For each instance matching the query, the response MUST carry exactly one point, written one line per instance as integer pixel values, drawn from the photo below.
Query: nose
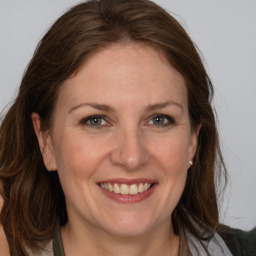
(130, 151)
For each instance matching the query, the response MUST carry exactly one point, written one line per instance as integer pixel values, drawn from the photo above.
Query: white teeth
(116, 189)
(141, 188)
(125, 189)
(134, 189)
(110, 187)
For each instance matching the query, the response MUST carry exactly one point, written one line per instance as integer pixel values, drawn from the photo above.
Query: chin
(128, 227)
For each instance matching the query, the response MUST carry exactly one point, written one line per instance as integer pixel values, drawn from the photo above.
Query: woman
(111, 146)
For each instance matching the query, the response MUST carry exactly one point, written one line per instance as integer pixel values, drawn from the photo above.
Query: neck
(92, 241)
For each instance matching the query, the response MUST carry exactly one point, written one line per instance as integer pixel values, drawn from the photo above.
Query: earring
(191, 162)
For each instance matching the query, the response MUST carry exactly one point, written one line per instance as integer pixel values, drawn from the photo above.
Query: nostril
(130, 151)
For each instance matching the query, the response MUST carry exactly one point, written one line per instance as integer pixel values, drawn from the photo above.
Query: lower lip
(129, 198)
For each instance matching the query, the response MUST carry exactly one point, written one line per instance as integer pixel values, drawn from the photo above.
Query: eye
(161, 120)
(95, 120)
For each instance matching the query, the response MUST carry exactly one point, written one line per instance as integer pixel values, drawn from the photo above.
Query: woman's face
(121, 141)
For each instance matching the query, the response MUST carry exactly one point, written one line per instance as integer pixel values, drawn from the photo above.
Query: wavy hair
(33, 198)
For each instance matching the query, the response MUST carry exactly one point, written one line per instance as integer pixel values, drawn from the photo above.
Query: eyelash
(85, 121)
(90, 118)
(170, 120)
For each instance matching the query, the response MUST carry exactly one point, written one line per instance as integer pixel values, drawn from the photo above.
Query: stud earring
(191, 162)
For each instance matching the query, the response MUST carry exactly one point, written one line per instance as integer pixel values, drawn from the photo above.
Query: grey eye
(95, 121)
(161, 120)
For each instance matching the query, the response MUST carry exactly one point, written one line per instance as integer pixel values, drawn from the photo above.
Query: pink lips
(128, 198)
(128, 181)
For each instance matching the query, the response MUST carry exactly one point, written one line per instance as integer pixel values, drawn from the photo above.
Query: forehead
(121, 73)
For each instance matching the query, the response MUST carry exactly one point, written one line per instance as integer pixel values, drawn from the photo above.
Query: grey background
(224, 31)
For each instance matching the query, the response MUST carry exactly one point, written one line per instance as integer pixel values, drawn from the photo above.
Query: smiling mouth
(125, 189)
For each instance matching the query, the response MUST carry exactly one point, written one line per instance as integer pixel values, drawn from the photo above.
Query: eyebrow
(163, 105)
(93, 105)
(107, 108)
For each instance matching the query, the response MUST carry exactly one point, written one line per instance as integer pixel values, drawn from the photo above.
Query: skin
(144, 133)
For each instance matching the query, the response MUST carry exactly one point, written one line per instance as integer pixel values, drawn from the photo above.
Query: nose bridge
(130, 151)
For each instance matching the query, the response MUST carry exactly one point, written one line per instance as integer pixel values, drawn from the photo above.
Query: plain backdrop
(225, 33)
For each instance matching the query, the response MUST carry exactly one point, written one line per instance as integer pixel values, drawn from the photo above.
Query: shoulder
(239, 242)
(3, 241)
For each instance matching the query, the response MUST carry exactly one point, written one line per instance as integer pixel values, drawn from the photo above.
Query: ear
(193, 142)
(45, 143)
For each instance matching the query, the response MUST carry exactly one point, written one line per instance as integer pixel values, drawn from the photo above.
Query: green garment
(57, 244)
(240, 243)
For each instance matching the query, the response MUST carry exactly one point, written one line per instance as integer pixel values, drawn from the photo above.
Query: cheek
(79, 156)
(78, 159)
(172, 152)
(172, 157)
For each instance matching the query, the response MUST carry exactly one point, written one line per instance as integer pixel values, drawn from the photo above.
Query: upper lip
(128, 181)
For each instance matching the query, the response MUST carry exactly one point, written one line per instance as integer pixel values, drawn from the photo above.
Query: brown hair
(33, 198)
